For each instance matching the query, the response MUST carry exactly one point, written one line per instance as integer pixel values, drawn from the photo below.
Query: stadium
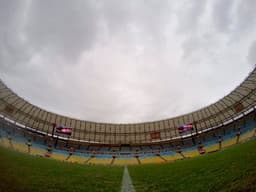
(127, 96)
(30, 129)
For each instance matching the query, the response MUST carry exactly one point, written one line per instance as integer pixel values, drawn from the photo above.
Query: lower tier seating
(24, 141)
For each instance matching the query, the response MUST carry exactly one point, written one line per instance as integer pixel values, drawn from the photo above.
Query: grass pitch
(21, 172)
(233, 169)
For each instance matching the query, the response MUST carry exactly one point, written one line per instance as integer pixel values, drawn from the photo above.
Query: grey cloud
(10, 12)
(243, 20)
(252, 54)
(245, 15)
(12, 52)
(124, 61)
(137, 20)
(63, 28)
(222, 15)
(189, 15)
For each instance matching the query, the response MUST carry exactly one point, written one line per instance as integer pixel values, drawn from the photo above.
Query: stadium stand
(29, 129)
(18, 139)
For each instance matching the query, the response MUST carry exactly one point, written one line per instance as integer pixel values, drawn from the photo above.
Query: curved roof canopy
(230, 107)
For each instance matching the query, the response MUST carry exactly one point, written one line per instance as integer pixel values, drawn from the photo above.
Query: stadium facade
(235, 105)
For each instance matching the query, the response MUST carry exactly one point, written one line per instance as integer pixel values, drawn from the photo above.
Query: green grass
(233, 169)
(21, 172)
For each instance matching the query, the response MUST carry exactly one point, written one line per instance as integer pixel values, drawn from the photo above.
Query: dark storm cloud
(125, 61)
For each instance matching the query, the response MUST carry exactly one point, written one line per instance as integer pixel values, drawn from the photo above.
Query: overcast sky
(126, 61)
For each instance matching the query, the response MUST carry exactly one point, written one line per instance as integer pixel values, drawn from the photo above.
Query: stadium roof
(232, 106)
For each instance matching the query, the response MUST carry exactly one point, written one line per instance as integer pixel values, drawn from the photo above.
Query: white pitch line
(127, 185)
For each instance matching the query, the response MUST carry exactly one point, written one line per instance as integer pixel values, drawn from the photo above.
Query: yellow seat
(174, 157)
(20, 147)
(5, 142)
(212, 148)
(36, 151)
(125, 161)
(247, 135)
(193, 153)
(58, 157)
(99, 161)
(77, 159)
(229, 142)
(151, 160)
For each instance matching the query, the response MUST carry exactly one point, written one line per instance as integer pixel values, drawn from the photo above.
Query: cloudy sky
(126, 61)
